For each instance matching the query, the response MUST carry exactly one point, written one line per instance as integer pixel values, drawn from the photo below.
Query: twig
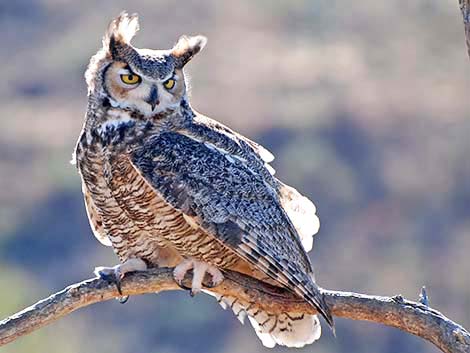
(408, 316)
(423, 296)
(465, 8)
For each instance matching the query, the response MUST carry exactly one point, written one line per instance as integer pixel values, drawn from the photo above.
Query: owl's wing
(95, 220)
(231, 202)
(301, 210)
(217, 133)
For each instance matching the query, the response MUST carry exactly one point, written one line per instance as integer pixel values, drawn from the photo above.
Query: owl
(166, 186)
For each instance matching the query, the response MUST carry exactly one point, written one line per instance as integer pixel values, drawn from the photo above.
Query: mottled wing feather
(223, 137)
(231, 202)
(214, 125)
(96, 222)
(299, 208)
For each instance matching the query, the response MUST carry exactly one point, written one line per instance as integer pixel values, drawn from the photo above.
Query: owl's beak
(152, 99)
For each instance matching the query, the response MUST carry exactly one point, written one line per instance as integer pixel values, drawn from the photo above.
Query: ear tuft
(187, 47)
(121, 30)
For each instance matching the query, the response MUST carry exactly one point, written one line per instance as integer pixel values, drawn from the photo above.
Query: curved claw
(123, 299)
(116, 273)
(199, 270)
(211, 284)
(110, 275)
(182, 286)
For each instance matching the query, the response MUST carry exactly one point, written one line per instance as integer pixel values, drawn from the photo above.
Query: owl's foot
(116, 273)
(199, 270)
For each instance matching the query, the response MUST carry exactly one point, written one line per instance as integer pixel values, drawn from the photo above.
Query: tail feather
(288, 329)
(285, 329)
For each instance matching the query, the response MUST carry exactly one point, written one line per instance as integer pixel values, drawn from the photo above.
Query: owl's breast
(137, 220)
(117, 202)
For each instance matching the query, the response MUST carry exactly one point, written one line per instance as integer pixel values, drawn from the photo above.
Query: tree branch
(411, 317)
(465, 8)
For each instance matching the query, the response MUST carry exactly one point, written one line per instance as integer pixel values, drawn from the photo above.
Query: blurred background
(365, 105)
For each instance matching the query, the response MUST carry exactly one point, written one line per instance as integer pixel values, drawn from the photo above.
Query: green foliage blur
(365, 105)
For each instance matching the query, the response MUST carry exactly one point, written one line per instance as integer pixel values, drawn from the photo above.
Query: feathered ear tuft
(120, 32)
(186, 48)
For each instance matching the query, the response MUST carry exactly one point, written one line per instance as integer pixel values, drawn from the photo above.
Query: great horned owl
(167, 186)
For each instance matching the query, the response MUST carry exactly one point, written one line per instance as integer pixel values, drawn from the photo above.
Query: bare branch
(465, 8)
(408, 316)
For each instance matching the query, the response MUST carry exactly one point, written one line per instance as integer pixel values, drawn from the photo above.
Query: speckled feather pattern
(178, 185)
(222, 186)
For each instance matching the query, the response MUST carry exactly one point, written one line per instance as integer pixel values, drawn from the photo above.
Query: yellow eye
(169, 84)
(130, 79)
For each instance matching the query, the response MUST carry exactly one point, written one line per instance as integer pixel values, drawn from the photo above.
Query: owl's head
(143, 80)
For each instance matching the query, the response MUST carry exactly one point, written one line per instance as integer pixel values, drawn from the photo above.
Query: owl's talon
(123, 299)
(199, 270)
(216, 276)
(110, 275)
(194, 291)
(116, 273)
(210, 284)
(182, 286)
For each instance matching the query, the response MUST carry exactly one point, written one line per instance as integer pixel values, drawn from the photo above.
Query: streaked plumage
(167, 186)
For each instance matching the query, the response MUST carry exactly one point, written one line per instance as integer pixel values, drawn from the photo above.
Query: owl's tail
(285, 329)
